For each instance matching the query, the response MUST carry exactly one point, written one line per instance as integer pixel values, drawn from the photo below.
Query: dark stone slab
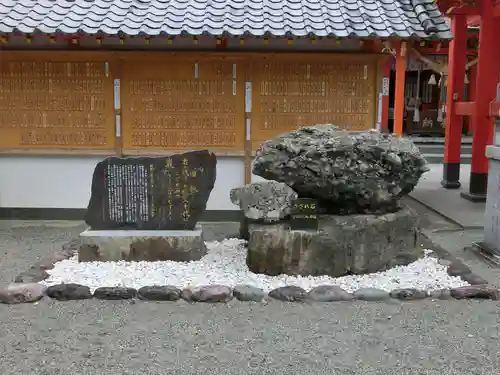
(290, 293)
(208, 293)
(476, 291)
(408, 294)
(115, 293)
(159, 293)
(68, 292)
(329, 293)
(304, 214)
(168, 193)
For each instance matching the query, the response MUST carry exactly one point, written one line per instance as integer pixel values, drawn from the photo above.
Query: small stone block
(115, 293)
(139, 245)
(208, 293)
(159, 293)
(22, 293)
(371, 294)
(248, 293)
(329, 293)
(408, 294)
(68, 292)
(290, 293)
(476, 291)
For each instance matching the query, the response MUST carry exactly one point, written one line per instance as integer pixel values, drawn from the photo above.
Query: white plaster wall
(64, 182)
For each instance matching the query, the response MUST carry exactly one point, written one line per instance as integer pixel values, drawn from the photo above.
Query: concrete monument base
(142, 245)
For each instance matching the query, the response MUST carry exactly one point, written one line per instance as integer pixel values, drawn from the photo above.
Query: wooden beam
(465, 108)
(496, 10)
(473, 20)
(495, 109)
(466, 10)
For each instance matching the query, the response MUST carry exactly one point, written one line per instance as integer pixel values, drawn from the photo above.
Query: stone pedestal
(492, 214)
(342, 245)
(142, 245)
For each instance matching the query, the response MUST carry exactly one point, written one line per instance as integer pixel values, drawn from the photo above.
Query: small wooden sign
(304, 214)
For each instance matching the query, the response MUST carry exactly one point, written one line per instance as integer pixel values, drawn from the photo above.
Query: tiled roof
(335, 18)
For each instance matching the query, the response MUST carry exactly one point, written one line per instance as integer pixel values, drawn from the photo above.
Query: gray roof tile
(335, 18)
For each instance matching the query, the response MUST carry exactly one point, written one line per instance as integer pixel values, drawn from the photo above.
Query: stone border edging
(26, 289)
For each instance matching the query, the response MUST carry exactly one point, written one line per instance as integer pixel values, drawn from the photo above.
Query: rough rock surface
(329, 293)
(159, 293)
(352, 244)
(408, 294)
(290, 293)
(371, 294)
(208, 293)
(476, 291)
(22, 293)
(115, 293)
(268, 201)
(346, 172)
(248, 293)
(69, 292)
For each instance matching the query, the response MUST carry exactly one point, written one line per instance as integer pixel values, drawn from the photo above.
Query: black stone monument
(304, 214)
(151, 193)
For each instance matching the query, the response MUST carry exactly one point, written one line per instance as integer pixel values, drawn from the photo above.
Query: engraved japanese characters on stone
(167, 193)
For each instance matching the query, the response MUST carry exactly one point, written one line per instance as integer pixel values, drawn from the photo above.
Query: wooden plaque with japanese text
(62, 103)
(183, 104)
(301, 91)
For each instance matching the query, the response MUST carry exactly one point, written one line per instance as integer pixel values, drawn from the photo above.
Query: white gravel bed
(225, 264)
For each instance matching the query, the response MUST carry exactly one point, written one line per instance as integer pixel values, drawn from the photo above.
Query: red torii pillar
(488, 71)
(455, 91)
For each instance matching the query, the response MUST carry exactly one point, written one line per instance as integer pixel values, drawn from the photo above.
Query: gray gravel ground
(106, 337)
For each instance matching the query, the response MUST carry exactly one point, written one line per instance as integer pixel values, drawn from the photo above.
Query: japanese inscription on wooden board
(55, 105)
(288, 95)
(164, 193)
(304, 214)
(183, 105)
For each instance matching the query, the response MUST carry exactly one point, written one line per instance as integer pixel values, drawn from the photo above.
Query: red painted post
(471, 92)
(454, 93)
(488, 69)
(386, 79)
(399, 96)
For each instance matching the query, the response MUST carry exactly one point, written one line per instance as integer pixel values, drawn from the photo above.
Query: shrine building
(84, 79)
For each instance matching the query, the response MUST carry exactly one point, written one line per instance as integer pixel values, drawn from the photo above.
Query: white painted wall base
(65, 182)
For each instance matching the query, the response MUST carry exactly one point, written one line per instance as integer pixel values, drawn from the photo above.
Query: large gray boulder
(351, 244)
(268, 201)
(348, 172)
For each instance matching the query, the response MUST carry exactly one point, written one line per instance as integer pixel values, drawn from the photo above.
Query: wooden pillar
(386, 79)
(399, 96)
(486, 82)
(455, 92)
